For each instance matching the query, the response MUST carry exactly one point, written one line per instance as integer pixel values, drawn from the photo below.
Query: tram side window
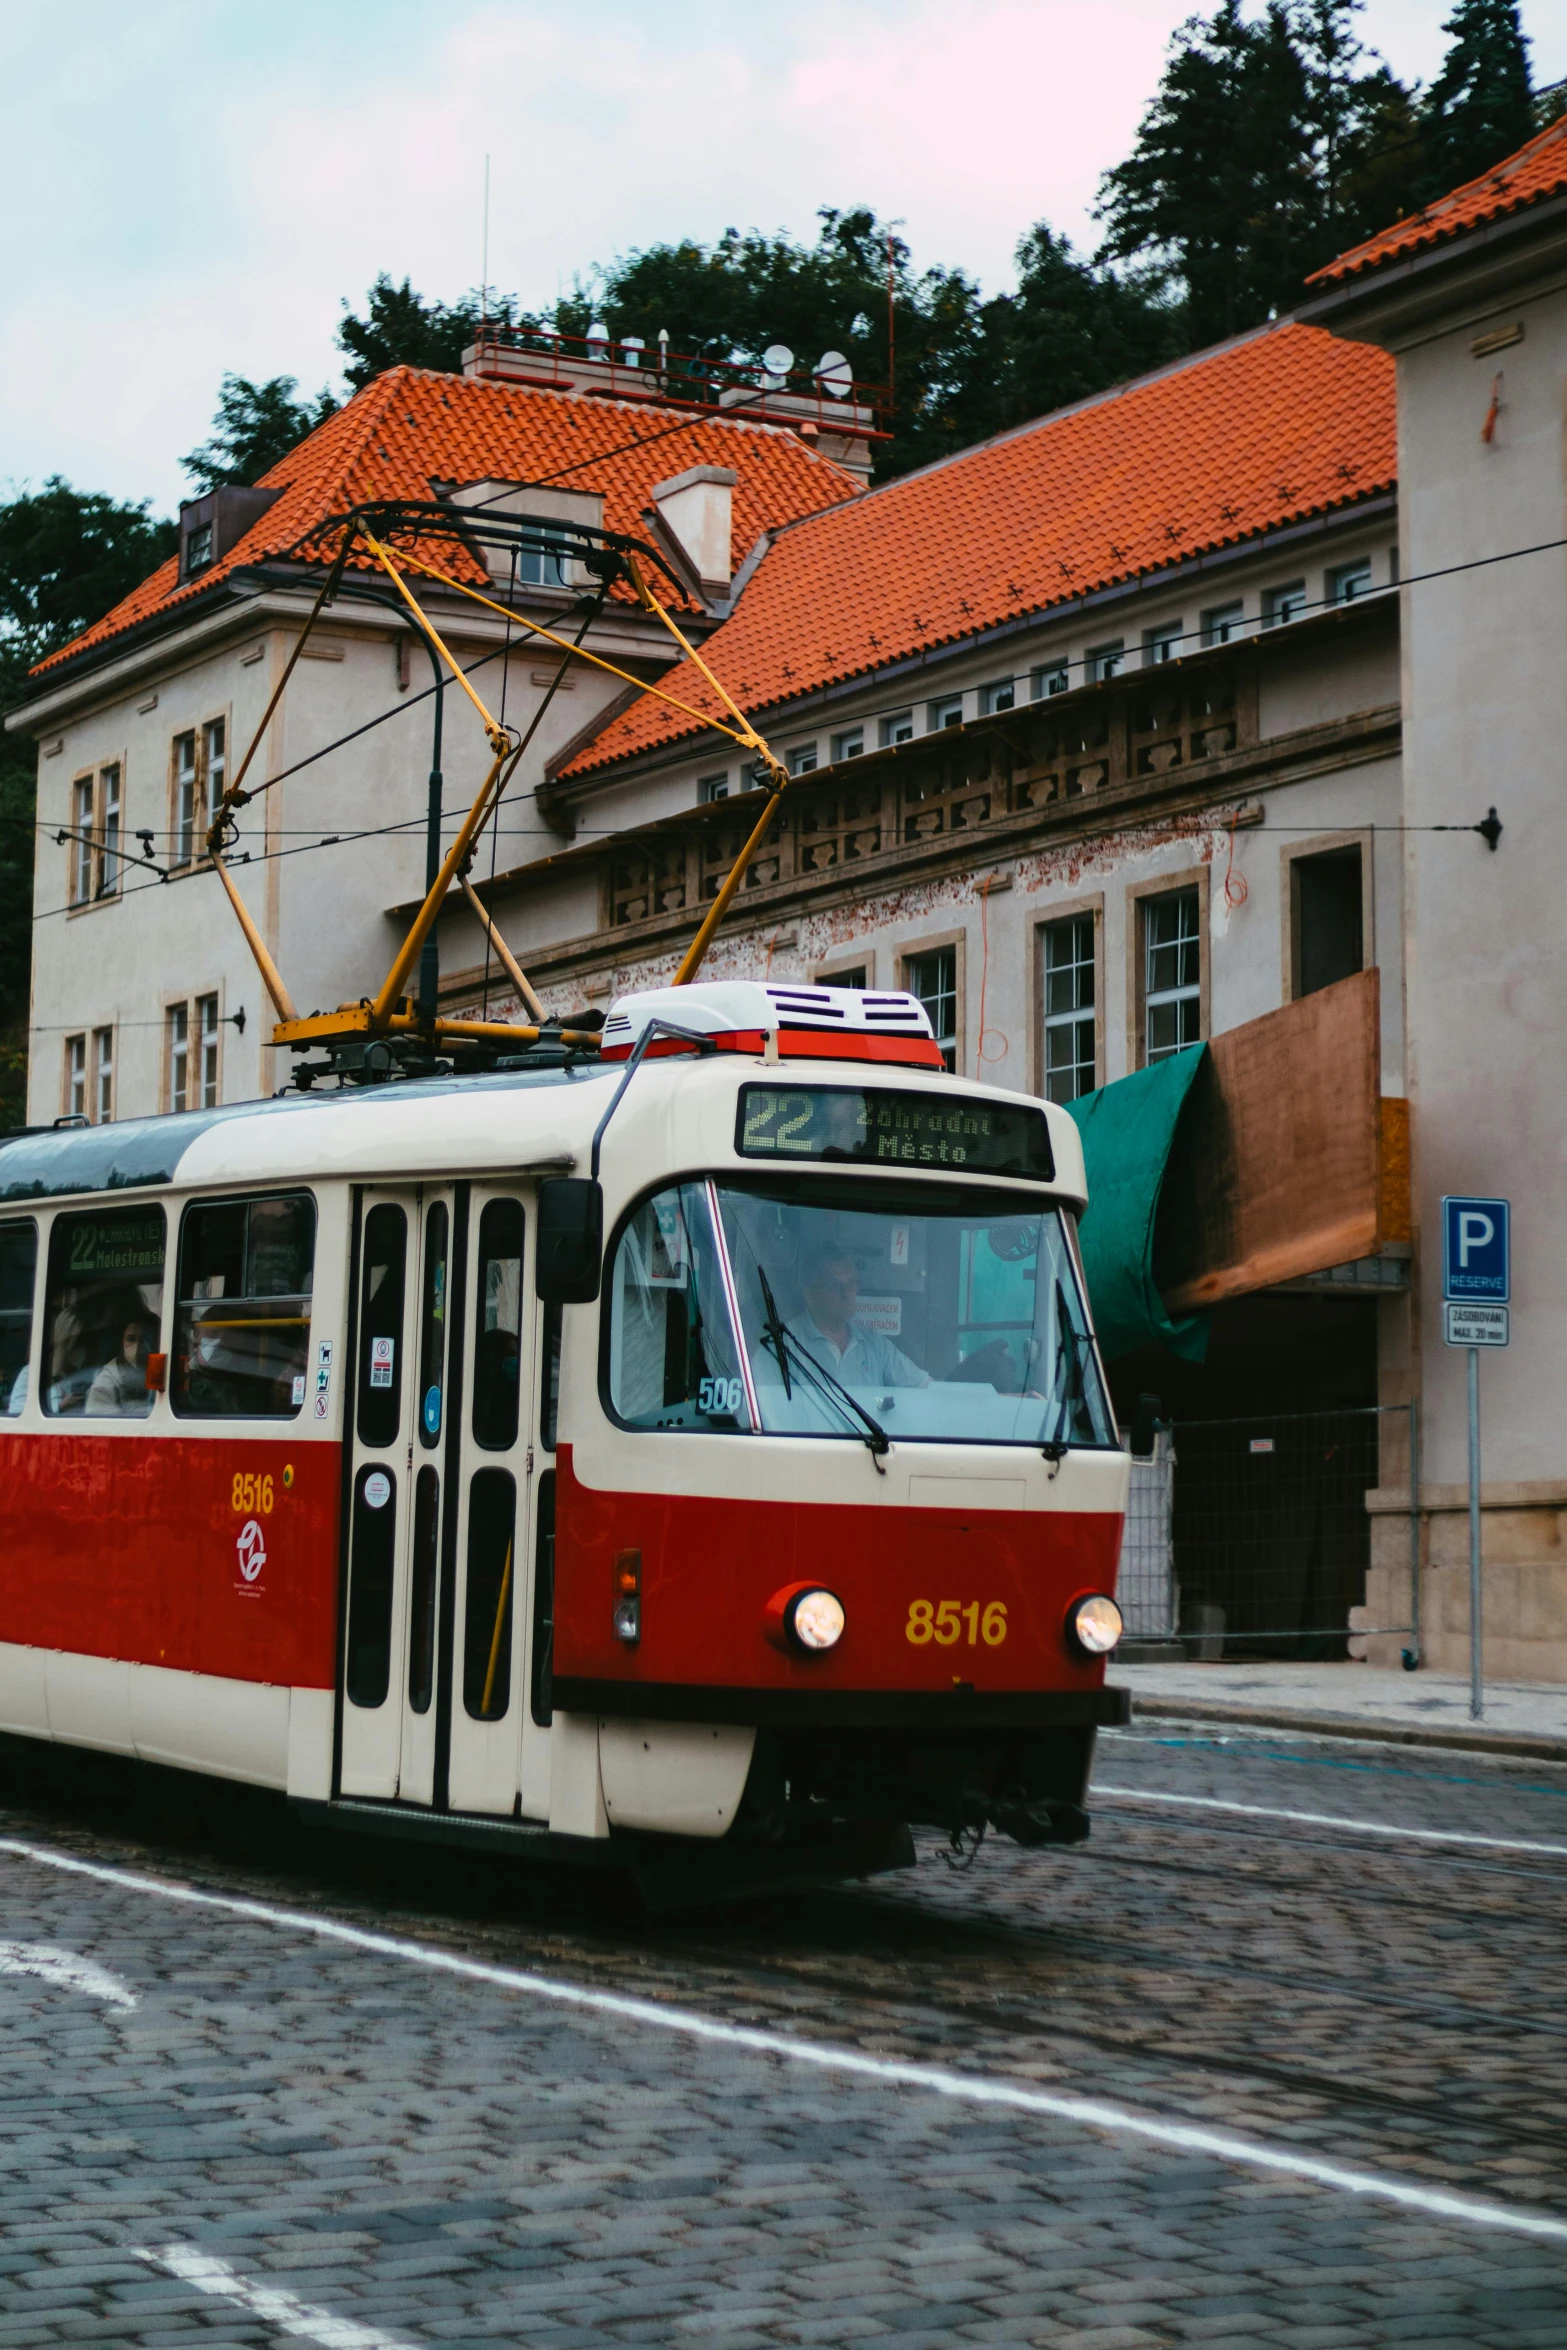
(672, 1356)
(497, 1350)
(18, 1265)
(103, 1309)
(242, 1308)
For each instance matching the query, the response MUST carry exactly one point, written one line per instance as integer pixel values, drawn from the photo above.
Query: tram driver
(830, 1333)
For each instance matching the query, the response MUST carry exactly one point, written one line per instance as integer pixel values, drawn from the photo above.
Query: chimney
(695, 507)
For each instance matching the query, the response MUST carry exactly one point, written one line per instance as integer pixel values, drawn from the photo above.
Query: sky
(195, 185)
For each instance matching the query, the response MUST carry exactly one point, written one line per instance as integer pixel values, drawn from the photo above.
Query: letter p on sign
(1476, 1252)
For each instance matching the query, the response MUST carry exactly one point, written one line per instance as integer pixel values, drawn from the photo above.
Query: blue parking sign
(1476, 1251)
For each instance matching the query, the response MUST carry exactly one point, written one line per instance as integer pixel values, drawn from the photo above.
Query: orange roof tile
(1283, 424)
(1536, 171)
(412, 428)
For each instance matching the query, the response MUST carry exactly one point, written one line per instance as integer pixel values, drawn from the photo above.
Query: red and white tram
(703, 1444)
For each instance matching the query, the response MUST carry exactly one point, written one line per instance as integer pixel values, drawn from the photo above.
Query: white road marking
(67, 1969)
(284, 2310)
(965, 2088)
(1326, 1819)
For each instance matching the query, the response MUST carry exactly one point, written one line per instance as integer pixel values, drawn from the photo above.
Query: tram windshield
(826, 1307)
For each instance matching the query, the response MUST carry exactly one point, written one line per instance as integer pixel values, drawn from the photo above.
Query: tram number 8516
(946, 1620)
(252, 1494)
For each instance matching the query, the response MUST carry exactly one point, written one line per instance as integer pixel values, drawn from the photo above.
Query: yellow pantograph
(387, 1012)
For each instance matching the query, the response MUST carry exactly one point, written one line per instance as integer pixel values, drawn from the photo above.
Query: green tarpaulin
(1127, 1129)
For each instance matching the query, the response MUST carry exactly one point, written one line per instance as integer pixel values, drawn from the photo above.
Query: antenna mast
(484, 263)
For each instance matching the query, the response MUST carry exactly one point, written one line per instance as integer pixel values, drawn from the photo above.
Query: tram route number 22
(252, 1494)
(947, 1620)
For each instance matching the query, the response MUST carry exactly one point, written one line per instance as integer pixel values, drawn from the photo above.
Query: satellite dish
(777, 360)
(834, 374)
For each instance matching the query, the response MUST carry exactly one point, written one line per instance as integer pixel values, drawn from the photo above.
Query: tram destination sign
(876, 1126)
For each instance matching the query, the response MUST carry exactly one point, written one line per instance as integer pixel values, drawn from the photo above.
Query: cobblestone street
(223, 2121)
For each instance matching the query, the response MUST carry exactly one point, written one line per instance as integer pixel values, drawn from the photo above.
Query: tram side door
(486, 1651)
(441, 1539)
(397, 1391)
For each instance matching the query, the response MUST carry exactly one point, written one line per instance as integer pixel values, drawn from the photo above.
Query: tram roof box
(813, 1023)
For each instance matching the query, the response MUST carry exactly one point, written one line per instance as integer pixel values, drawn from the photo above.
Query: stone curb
(1351, 1726)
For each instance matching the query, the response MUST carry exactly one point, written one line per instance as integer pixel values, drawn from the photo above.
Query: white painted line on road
(893, 2072)
(283, 2310)
(1327, 1819)
(66, 1969)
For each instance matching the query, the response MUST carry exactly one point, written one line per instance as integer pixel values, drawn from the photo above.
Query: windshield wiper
(784, 1344)
(1057, 1445)
(775, 1328)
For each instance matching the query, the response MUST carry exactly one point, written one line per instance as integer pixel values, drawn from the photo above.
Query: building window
(1326, 918)
(109, 832)
(899, 728)
(103, 1075)
(76, 1076)
(849, 745)
(933, 977)
(1069, 1008)
(945, 713)
(200, 774)
(1056, 679)
(858, 977)
(544, 563)
(1000, 696)
(1102, 661)
(802, 759)
(1223, 624)
(214, 764)
(184, 797)
(1281, 605)
(178, 1052)
(207, 1041)
(82, 843)
(1350, 582)
(96, 823)
(198, 549)
(1162, 644)
(712, 787)
(1172, 974)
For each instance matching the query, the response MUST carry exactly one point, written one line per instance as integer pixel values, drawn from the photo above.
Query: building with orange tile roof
(144, 997)
(1495, 203)
(1096, 737)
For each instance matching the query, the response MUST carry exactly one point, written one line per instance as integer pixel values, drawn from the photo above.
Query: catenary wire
(1414, 579)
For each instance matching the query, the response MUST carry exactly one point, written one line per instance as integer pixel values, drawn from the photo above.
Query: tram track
(936, 1964)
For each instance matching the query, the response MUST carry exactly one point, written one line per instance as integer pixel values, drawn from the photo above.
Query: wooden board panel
(1277, 1169)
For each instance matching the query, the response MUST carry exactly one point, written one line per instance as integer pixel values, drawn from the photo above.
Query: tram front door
(440, 1538)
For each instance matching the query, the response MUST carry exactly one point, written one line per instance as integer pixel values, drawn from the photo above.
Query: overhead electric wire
(353, 734)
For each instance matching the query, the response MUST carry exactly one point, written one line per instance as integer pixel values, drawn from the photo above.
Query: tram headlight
(804, 1619)
(1094, 1625)
(817, 1620)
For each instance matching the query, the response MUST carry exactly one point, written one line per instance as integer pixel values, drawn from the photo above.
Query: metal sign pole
(1476, 1683)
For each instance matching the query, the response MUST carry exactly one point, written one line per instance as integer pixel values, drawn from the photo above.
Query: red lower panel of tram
(931, 1597)
(205, 1556)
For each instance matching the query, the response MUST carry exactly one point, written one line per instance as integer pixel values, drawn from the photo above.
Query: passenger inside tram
(120, 1387)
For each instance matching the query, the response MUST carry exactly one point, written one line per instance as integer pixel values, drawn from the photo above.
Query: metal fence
(1253, 1534)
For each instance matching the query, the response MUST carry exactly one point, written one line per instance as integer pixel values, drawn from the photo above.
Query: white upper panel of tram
(679, 1113)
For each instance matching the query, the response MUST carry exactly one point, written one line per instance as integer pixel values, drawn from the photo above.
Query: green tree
(1072, 330)
(66, 557)
(400, 328)
(1216, 196)
(255, 427)
(1480, 107)
(959, 366)
(1267, 148)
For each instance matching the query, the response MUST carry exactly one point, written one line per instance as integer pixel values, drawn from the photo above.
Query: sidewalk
(1355, 1700)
